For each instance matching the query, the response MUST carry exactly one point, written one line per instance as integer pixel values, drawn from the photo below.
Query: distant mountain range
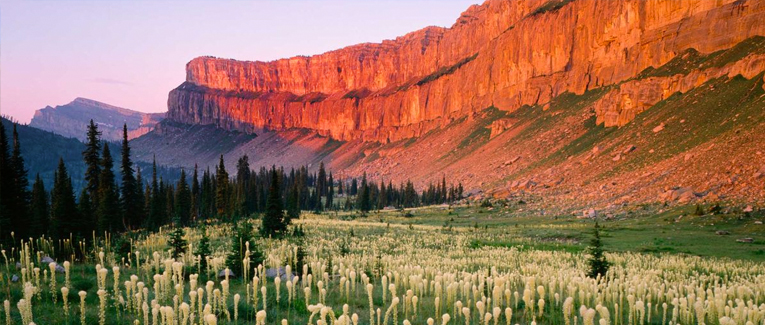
(41, 151)
(70, 120)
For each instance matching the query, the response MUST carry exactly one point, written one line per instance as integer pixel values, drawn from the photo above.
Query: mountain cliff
(70, 120)
(569, 102)
(503, 54)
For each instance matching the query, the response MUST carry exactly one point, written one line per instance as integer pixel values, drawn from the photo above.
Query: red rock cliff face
(503, 53)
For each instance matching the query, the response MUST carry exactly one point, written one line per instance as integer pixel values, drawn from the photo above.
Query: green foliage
(549, 6)
(177, 243)
(446, 70)
(239, 250)
(598, 265)
(203, 251)
(273, 224)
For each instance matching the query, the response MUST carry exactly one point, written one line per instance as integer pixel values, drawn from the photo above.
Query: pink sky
(132, 53)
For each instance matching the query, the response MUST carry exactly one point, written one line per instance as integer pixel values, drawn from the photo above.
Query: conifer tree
(365, 203)
(92, 160)
(234, 261)
(597, 261)
(273, 221)
(84, 224)
(6, 184)
(176, 242)
(156, 207)
(183, 200)
(194, 215)
(203, 251)
(129, 188)
(330, 192)
(64, 214)
(321, 181)
(221, 190)
(108, 213)
(38, 223)
(20, 205)
(293, 206)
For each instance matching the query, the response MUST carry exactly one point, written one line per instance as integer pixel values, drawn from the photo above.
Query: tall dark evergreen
(84, 225)
(194, 214)
(108, 213)
(91, 155)
(273, 221)
(64, 216)
(6, 184)
(156, 208)
(330, 191)
(221, 190)
(364, 199)
(183, 200)
(293, 204)
(40, 213)
(129, 188)
(20, 205)
(321, 181)
(597, 262)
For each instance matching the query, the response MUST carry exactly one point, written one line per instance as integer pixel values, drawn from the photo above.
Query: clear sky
(131, 53)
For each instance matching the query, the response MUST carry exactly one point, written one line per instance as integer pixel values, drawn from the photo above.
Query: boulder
(47, 260)
(722, 232)
(15, 278)
(745, 240)
(658, 128)
(222, 274)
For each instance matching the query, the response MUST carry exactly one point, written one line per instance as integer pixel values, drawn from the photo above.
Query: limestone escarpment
(504, 54)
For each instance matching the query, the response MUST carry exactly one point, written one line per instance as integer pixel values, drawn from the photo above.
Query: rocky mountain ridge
(502, 54)
(70, 120)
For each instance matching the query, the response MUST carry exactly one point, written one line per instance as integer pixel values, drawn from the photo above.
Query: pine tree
(293, 206)
(21, 195)
(183, 200)
(235, 259)
(321, 181)
(129, 188)
(273, 221)
(108, 213)
(330, 191)
(155, 203)
(6, 184)
(84, 224)
(195, 195)
(92, 160)
(140, 211)
(203, 251)
(221, 190)
(38, 223)
(64, 214)
(177, 243)
(365, 203)
(597, 262)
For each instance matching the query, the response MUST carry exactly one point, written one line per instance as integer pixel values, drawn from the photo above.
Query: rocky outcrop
(502, 53)
(71, 120)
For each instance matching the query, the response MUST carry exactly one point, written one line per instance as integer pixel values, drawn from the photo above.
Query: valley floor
(507, 263)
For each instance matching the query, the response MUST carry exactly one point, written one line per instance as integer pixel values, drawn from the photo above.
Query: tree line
(109, 202)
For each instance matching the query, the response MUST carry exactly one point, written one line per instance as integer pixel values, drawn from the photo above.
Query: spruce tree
(183, 200)
(330, 191)
(38, 223)
(203, 251)
(92, 160)
(293, 206)
(321, 181)
(129, 188)
(21, 195)
(155, 203)
(273, 221)
(6, 183)
(108, 213)
(597, 262)
(239, 241)
(221, 190)
(194, 214)
(176, 242)
(84, 224)
(365, 203)
(64, 215)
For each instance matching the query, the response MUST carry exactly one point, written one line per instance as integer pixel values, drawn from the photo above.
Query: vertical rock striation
(504, 54)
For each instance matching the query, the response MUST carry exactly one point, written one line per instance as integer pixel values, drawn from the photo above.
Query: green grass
(446, 70)
(644, 229)
(691, 59)
(550, 6)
